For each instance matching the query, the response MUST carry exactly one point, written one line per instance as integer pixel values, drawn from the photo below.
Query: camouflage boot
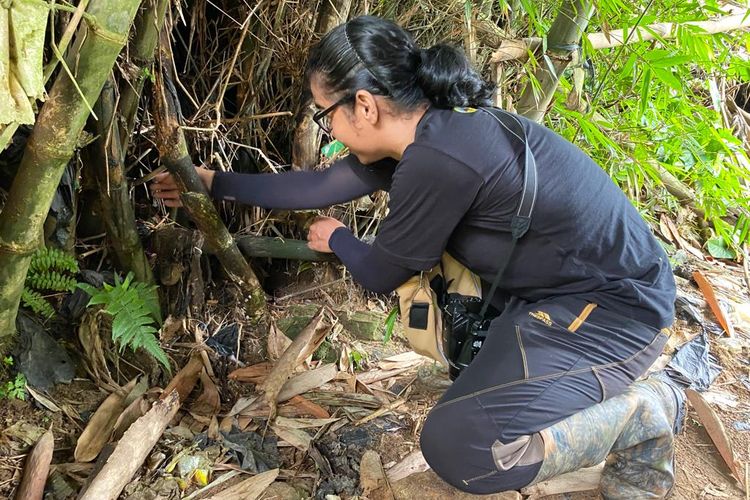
(633, 431)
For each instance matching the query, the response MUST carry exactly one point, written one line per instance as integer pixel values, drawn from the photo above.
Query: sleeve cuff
(219, 186)
(338, 236)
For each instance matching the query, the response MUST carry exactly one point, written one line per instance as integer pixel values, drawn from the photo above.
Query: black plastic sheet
(693, 365)
(39, 357)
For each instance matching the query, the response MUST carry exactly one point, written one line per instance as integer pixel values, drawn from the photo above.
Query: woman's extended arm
(345, 180)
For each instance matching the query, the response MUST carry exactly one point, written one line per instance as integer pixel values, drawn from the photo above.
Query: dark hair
(379, 56)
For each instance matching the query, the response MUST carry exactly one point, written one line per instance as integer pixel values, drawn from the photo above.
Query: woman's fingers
(164, 187)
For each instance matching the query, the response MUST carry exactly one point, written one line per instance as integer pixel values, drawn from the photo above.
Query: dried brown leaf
(715, 430)
(295, 353)
(254, 374)
(208, 403)
(184, 380)
(713, 303)
(277, 342)
(102, 423)
(249, 489)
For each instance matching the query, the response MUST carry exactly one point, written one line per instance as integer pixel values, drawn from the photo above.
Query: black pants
(541, 362)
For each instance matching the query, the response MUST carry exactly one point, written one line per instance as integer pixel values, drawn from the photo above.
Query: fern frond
(149, 344)
(134, 308)
(34, 301)
(52, 259)
(50, 280)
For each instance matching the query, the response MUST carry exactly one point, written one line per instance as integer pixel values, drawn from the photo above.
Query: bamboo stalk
(174, 154)
(566, 32)
(306, 142)
(50, 147)
(148, 24)
(114, 197)
(510, 50)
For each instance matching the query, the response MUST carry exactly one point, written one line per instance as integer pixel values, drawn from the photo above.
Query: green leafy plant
(14, 389)
(660, 111)
(135, 312)
(37, 303)
(50, 270)
(390, 324)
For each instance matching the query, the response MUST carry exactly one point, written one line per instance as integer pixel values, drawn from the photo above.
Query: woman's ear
(366, 107)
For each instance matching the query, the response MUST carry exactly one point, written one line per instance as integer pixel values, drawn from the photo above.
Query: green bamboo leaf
(390, 323)
(718, 249)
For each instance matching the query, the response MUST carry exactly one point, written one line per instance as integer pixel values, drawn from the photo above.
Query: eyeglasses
(322, 119)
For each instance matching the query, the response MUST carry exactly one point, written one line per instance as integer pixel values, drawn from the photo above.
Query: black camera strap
(521, 221)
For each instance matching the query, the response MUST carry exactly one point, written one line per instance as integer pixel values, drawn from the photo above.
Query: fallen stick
(580, 480)
(413, 463)
(132, 450)
(36, 469)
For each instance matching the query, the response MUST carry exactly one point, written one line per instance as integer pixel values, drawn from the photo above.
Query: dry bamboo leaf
(36, 469)
(277, 342)
(307, 407)
(185, 379)
(319, 333)
(133, 412)
(402, 360)
(249, 489)
(209, 402)
(307, 381)
(381, 411)
(713, 303)
(132, 450)
(304, 423)
(273, 384)
(715, 429)
(664, 229)
(100, 427)
(42, 399)
(241, 405)
(378, 375)
(294, 436)
(254, 374)
(681, 241)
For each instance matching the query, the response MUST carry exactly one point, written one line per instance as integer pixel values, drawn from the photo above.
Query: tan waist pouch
(419, 307)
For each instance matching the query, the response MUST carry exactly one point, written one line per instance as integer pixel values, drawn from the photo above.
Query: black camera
(464, 330)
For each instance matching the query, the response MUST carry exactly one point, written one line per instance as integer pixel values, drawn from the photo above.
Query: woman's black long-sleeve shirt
(456, 188)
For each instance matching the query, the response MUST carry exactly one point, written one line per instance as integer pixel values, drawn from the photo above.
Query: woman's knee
(469, 455)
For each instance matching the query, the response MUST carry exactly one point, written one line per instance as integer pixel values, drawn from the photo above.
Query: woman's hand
(320, 232)
(164, 186)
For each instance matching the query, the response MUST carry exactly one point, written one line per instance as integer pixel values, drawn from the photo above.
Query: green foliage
(390, 324)
(718, 249)
(357, 358)
(14, 389)
(135, 311)
(662, 106)
(51, 280)
(50, 269)
(37, 303)
(52, 259)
